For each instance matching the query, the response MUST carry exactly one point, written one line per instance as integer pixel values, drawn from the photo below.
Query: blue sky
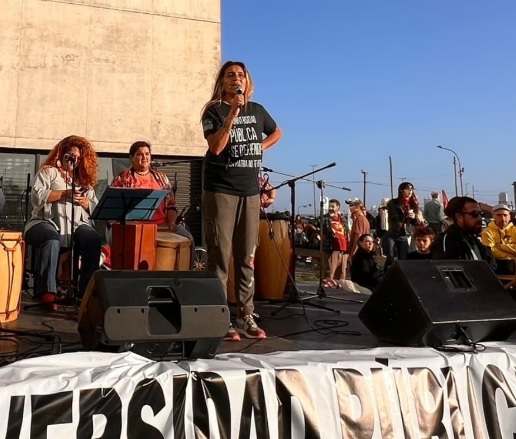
(355, 82)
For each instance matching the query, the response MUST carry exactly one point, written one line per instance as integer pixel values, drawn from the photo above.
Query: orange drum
(133, 246)
(173, 252)
(12, 251)
(272, 259)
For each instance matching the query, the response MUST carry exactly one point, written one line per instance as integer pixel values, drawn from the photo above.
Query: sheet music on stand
(128, 204)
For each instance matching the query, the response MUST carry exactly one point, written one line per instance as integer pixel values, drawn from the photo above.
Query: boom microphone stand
(27, 199)
(294, 295)
(71, 293)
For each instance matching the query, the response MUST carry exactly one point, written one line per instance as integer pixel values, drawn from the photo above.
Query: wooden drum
(272, 259)
(12, 251)
(173, 252)
(133, 246)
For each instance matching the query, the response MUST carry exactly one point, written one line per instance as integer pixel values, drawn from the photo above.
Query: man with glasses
(461, 239)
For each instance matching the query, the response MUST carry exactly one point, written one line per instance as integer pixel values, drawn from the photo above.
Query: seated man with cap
(500, 236)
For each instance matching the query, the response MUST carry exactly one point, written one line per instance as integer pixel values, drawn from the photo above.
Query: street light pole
(364, 173)
(455, 175)
(461, 169)
(313, 184)
(390, 174)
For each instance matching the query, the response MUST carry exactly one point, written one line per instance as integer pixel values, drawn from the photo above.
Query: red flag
(444, 198)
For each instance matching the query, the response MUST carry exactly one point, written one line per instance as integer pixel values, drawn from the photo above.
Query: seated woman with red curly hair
(50, 225)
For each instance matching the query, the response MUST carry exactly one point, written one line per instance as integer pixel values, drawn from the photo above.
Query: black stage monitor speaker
(439, 302)
(158, 314)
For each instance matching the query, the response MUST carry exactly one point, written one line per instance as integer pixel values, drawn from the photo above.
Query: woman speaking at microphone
(234, 128)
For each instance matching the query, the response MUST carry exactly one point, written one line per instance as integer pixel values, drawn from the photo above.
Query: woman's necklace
(142, 174)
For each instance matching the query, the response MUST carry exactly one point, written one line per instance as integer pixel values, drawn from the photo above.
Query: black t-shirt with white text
(235, 170)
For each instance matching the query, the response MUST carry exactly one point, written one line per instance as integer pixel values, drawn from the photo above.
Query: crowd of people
(360, 247)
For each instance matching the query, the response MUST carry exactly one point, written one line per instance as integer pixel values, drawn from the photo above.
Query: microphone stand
(293, 292)
(71, 296)
(161, 163)
(265, 169)
(27, 197)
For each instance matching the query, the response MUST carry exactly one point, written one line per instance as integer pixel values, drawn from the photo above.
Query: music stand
(128, 204)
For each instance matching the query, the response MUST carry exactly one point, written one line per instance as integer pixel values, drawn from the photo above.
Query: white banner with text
(373, 393)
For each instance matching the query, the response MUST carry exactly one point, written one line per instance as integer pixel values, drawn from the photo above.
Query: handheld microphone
(266, 169)
(70, 158)
(238, 91)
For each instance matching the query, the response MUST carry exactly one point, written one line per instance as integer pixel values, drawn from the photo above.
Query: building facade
(113, 71)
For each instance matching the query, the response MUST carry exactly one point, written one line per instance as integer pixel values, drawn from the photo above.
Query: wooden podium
(133, 246)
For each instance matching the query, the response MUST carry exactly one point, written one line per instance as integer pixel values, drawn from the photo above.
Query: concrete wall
(111, 70)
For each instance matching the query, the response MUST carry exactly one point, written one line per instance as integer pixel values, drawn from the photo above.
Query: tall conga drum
(173, 252)
(273, 258)
(12, 251)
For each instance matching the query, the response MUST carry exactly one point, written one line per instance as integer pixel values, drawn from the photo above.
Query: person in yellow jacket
(500, 236)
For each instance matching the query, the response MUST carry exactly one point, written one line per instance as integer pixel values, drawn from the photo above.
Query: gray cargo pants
(231, 224)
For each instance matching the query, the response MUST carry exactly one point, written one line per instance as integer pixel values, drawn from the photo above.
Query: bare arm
(55, 196)
(271, 139)
(171, 218)
(219, 139)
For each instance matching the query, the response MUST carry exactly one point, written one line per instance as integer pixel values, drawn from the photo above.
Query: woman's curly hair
(87, 165)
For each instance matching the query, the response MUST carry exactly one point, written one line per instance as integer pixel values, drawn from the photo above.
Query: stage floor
(296, 326)
(302, 326)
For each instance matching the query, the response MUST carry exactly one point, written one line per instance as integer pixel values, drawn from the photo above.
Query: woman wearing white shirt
(50, 225)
